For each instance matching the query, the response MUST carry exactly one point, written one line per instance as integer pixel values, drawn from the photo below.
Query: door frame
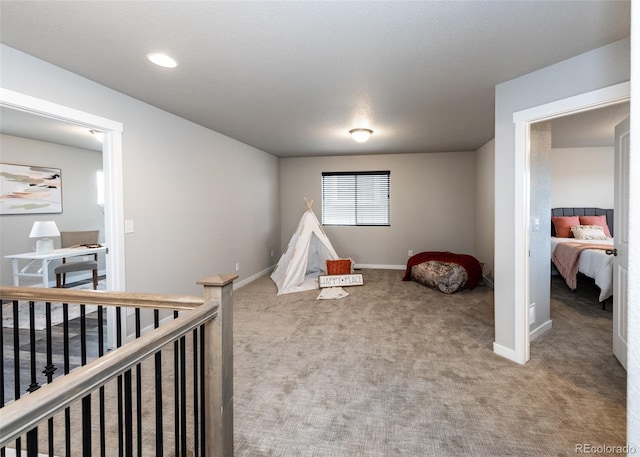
(612, 95)
(112, 166)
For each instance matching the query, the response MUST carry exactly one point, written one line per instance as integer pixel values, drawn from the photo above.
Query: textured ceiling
(291, 78)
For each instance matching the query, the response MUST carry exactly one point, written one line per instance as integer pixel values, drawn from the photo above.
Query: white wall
(200, 201)
(582, 177)
(485, 194)
(593, 70)
(79, 205)
(432, 204)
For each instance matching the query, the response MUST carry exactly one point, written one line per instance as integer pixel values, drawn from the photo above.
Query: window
(355, 198)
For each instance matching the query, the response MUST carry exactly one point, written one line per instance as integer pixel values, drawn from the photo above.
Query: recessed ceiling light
(162, 59)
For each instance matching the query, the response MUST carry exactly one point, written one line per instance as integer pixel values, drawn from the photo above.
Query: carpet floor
(396, 369)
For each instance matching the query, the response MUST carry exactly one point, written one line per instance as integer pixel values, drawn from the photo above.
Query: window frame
(358, 203)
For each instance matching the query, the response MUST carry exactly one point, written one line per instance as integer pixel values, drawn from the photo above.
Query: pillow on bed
(596, 220)
(588, 232)
(563, 225)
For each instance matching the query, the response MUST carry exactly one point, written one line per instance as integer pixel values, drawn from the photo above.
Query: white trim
(375, 266)
(504, 351)
(540, 330)
(250, 279)
(611, 95)
(112, 165)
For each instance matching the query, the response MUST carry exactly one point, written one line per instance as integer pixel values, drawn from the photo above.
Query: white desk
(42, 272)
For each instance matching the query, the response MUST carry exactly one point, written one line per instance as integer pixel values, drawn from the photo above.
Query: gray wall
(485, 194)
(201, 202)
(79, 207)
(432, 204)
(582, 177)
(593, 70)
(539, 241)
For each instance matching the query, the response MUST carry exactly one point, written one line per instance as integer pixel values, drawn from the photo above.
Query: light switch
(536, 225)
(128, 226)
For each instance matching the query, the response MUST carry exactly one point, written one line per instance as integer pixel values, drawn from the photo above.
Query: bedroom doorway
(523, 120)
(112, 166)
(583, 177)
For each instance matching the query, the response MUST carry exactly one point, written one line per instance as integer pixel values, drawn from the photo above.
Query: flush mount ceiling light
(361, 135)
(162, 59)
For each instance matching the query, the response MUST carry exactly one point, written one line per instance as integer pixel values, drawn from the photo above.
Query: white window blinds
(355, 198)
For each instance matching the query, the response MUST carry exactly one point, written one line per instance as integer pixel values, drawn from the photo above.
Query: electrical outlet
(271, 253)
(410, 252)
(237, 267)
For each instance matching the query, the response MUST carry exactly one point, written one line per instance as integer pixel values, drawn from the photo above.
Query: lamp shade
(43, 229)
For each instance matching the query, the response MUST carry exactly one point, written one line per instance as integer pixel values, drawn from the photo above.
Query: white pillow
(588, 232)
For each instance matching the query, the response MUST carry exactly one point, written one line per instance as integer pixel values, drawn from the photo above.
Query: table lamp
(42, 230)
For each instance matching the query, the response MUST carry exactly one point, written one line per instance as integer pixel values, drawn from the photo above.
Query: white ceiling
(291, 78)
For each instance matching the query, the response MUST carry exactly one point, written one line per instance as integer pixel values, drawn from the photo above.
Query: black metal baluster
(183, 395)
(176, 392)
(138, 391)
(49, 370)
(128, 414)
(67, 411)
(16, 362)
(103, 443)
(158, 378)
(86, 401)
(196, 447)
(203, 442)
(120, 421)
(32, 435)
(32, 347)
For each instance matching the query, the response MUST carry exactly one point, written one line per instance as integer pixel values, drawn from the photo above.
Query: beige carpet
(396, 369)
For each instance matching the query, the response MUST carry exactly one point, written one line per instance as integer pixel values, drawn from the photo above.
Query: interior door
(621, 235)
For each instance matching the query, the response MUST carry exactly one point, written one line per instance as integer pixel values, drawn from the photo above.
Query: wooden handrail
(99, 297)
(214, 312)
(21, 416)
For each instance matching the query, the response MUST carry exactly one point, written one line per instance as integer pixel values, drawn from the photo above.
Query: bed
(571, 255)
(444, 271)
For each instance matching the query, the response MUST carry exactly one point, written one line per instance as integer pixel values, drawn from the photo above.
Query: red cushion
(596, 220)
(563, 225)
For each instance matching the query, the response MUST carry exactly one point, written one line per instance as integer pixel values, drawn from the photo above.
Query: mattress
(594, 263)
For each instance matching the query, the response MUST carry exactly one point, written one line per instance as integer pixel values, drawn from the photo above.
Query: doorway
(112, 166)
(524, 219)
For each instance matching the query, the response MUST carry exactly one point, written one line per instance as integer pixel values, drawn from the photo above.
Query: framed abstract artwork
(28, 189)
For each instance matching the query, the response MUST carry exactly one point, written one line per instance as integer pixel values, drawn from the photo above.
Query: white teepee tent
(305, 258)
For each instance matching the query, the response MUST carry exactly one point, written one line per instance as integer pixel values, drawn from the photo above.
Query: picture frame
(30, 189)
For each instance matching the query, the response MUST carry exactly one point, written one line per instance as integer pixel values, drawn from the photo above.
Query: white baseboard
(504, 352)
(487, 282)
(540, 330)
(375, 266)
(250, 279)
